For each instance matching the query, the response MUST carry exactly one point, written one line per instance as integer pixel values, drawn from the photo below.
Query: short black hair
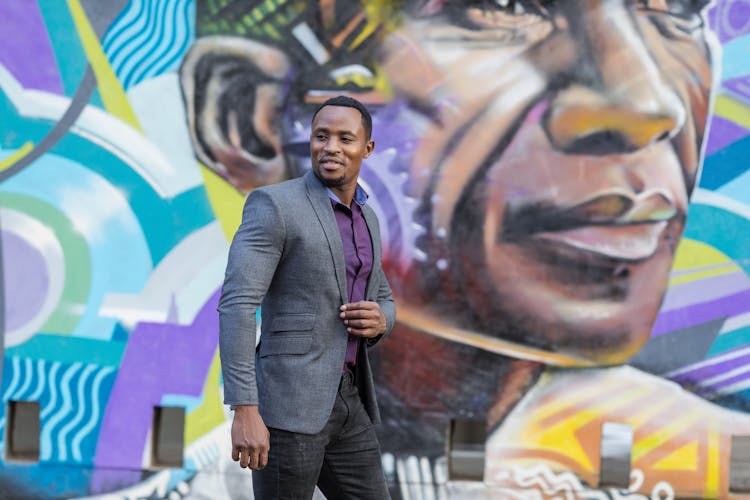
(349, 102)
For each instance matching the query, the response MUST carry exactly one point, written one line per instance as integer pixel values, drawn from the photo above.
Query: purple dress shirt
(357, 243)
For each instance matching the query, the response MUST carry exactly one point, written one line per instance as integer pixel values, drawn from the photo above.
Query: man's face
(557, 145)
(338, 144)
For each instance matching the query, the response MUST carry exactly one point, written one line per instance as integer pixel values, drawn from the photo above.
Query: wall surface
(564, 192)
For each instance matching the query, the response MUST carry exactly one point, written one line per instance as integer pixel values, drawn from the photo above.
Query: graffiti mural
(564, 198)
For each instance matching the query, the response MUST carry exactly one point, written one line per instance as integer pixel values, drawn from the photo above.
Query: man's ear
(233, 98)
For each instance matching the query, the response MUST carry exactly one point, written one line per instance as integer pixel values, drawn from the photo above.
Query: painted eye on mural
(498, 14)
(687, 12)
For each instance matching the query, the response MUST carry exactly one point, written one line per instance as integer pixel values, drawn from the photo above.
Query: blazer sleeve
(387, 305)
(253, 256)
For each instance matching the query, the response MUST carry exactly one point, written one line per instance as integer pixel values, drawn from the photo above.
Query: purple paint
(25, 47)
(740, 87)
(159, 359)
(702, 290)
(685, 317)
(705, 372)
(727, 382)
(26, 281)
(730, 19)
(722, 133)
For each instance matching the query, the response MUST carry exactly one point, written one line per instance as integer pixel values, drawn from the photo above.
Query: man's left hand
(363, 318)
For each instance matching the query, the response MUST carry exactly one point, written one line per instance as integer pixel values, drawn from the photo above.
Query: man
(308, 250)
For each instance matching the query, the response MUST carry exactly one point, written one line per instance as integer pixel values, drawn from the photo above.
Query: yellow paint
(112, 93)
(20, 153)
(684, 458)
(569, 125)
(210, 413)
(713, 463)
(357, 79)
(379, 13)
(673, 428)
(703, 259)
(582, 393)
(225, 200)
(733, 110)
(649, 411)
(562, 435)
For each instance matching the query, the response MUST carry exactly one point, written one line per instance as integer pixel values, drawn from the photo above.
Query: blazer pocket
(285, 344)
(289, 334)
(294, 322)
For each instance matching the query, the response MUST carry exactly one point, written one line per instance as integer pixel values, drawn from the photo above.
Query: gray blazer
(288, 257)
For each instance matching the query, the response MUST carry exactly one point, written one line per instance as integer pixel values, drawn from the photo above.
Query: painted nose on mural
(618, 99)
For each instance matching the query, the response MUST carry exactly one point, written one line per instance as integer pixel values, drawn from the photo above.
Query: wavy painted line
(142, 42)
(95, 412)
(62, 413)
(120, 25)
(159, 46)
(28, 375)
(79, 414)
(53, 390)
(153, 44)
(117, 57)
(168, 27)
(186, 40)
(14, 381)
(40, 365)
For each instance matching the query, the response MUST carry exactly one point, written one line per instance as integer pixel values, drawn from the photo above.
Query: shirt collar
(360, 195)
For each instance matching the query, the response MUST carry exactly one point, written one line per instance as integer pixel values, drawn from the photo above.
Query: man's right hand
(250, 437)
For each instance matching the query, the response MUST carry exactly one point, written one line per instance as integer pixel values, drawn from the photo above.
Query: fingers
(362, 304)
(254, 459)
(363, 318)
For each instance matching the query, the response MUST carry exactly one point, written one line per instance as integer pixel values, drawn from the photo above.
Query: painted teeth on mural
(633, 242)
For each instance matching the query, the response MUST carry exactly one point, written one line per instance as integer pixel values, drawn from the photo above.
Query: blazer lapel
(372, 225)
(321, 204)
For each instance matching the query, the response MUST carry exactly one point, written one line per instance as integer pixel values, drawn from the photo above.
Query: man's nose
(617, 99)
(331, 145)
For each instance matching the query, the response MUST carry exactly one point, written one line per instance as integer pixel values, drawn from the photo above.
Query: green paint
(77, 281)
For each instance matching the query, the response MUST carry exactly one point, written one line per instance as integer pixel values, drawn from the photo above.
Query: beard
(331, 183)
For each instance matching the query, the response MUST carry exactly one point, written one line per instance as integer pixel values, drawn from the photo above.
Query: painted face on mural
(552, 150)
(558, 150)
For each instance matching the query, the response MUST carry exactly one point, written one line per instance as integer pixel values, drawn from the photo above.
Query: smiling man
(308, 250)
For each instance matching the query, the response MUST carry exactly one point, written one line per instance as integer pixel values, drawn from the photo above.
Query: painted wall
(564, 192)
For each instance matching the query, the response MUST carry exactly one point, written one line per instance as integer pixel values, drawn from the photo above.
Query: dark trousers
(343, 459)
